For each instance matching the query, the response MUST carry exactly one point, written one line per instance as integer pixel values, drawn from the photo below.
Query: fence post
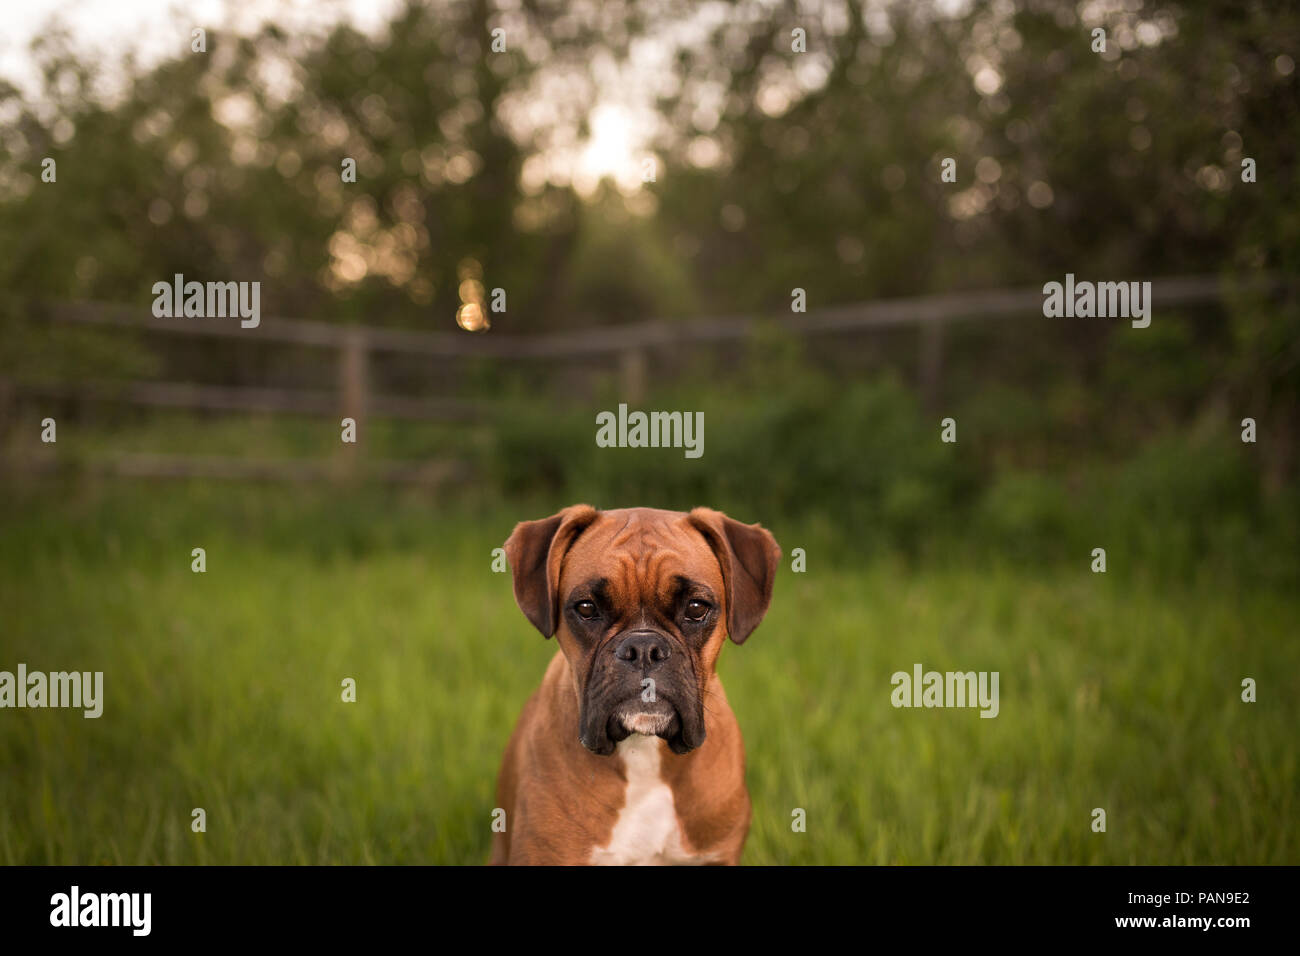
(8, 403)
(931, 364)
(353, 393)
(632, 375)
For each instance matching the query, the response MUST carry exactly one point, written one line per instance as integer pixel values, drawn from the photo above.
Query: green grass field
(223, 691)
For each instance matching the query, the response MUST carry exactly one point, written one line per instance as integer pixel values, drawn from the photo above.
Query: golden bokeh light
(472, 318)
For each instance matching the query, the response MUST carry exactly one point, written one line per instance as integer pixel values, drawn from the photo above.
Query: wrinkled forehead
(639, 548)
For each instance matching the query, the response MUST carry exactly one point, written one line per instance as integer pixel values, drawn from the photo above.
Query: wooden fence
(630, 346)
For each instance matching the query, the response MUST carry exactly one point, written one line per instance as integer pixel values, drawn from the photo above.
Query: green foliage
(788, 450)
(833, 155)
(782, 440)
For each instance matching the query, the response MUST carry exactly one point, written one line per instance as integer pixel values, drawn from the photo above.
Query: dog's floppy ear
(535, 550)
(748, 555)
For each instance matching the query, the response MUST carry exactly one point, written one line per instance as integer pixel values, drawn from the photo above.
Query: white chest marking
(646, 832)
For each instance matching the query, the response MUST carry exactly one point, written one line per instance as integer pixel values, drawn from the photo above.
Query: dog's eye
(586, 610)
(697, 611)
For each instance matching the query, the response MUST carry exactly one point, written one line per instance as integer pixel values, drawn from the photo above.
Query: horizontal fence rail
(436, 472)
(613, 340)
(254, 399)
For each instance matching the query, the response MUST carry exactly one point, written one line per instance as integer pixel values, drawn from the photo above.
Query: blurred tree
(228, 164)
(1123, 163)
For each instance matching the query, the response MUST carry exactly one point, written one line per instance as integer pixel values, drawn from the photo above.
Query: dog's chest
(647, 832)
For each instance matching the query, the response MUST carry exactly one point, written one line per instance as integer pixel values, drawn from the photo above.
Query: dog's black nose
(644, 650)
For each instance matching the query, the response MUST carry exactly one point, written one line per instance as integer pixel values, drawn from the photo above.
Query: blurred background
(643, 189)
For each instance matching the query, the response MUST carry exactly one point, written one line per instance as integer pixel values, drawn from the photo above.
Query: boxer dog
(628, 752)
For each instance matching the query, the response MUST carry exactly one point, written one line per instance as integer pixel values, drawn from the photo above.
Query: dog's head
(641, 601)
